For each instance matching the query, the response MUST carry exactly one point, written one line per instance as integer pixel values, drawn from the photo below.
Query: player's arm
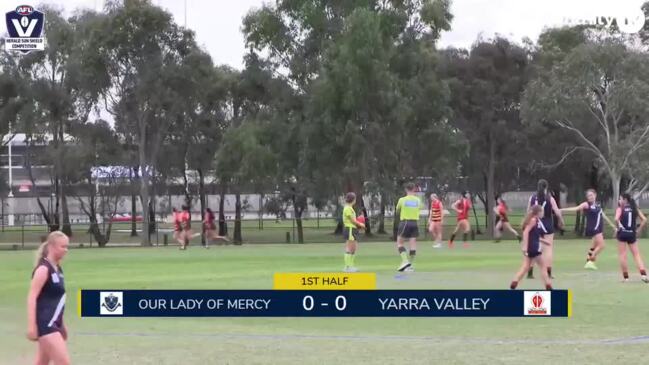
(455, 207)
(557, 211)
(581, 206)
(643, 220)
(526, 235)
(441, 211)
(397, 210)
(351, 215)
(39, 279)
(608, 220)
(618, 215)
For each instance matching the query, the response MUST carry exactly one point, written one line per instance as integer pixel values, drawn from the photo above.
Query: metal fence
(253, 231)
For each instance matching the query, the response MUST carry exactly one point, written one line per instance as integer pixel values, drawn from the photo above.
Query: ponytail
(41, 253)
(42, 250)
(541, 190)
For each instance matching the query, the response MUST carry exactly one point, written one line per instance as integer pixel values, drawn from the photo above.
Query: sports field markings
(477, 341)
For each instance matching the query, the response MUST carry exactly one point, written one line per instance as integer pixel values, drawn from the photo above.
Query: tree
(61, 94)
(97, 151)
(486, 84)
(242, 159)
(596, 94)
(137, 46)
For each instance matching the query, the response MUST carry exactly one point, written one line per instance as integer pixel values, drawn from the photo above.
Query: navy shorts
(548, 226)
(350, 234)
(626, 236)
(45, 329)
(534, 250)
(590, 233)
(408, 229)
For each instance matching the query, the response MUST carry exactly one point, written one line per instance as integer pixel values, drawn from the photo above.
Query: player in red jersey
(178, 231)
(502, 220)
(462, 207)
(186, 226)
(436, 220)
(209, 227)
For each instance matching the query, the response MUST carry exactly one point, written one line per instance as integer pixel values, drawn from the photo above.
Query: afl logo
(25, 27)
(24, 10)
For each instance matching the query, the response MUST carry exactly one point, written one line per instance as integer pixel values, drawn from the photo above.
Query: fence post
(22, 230)
(165, 239)
(293, 220)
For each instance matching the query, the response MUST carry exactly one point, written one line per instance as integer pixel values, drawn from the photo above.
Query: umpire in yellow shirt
(408, 208)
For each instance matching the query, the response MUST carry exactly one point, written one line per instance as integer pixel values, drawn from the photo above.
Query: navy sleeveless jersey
(547, 222)
(534, 240)
(50, 303)
(593, 219)
(628, 219)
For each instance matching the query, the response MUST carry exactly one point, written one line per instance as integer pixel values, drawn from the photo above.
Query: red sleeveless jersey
(436, 211)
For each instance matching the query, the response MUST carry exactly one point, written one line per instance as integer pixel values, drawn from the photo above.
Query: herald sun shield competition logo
(537, 303)
(25, 27)
(111, 303)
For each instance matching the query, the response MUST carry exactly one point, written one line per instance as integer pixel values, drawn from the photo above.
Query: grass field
(610, 322)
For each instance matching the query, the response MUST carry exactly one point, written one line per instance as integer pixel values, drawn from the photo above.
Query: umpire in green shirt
(408, 208)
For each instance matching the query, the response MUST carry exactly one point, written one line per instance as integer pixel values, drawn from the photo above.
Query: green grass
(604, 309)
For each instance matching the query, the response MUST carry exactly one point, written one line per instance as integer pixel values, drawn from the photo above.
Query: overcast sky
(217, 23)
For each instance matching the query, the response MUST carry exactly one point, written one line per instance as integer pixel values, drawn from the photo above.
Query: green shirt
(348, 216)
(408, 208)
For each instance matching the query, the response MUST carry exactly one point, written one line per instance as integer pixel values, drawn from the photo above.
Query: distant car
(125, 218)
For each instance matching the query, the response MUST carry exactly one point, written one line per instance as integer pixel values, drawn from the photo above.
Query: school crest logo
(111, 303)
(25, 28)
(537, 303)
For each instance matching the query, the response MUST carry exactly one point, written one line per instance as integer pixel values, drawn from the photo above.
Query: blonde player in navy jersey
(626, 217)
(594, 225)
(46, 302)
(532, 247)
(350, 231)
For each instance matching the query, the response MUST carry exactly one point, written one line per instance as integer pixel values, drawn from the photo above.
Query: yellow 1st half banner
(324, 281)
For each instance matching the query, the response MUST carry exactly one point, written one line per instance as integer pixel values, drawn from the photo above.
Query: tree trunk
(144, 182)
(133, 177)
(381, 228)
(201, 196)
(67, 228)
(491, 195)
(223, 224)
(615, 185)
(297, 211)
(237, 219)
(368, 227)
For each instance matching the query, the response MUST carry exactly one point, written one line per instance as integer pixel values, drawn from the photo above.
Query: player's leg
(41, 356)
(621, 255)
(635, 250)
(545, 275)
(55, 348)
(412, 243)
(598, 245)
(498, 230)
(548, 254)
(465, 235)
(452, 239)
(525, 266)
(178, 237)
(511, 229)
(437, 228)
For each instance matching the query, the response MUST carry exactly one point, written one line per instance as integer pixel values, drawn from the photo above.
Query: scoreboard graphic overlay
(324, 295)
